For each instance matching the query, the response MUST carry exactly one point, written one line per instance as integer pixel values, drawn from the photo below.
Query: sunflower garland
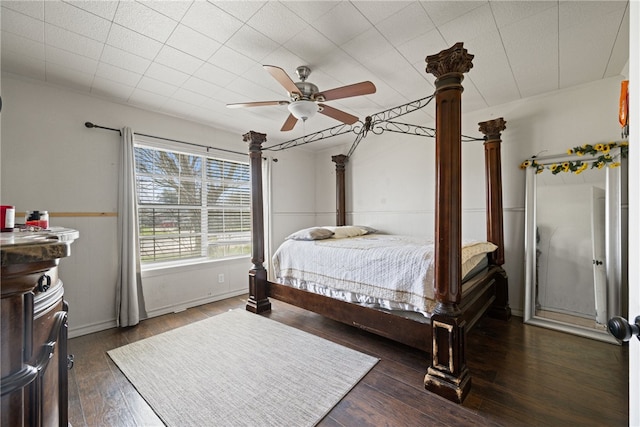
(602, 159)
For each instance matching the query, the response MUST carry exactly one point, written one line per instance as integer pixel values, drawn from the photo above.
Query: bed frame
(456, 312)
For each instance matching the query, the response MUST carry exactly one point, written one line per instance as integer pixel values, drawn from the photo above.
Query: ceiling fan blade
(283, 78)
(257, 104)
(339, 115)
(289, 123)
(356, 89)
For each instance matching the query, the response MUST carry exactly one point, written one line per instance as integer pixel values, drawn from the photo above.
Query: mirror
(573, 243)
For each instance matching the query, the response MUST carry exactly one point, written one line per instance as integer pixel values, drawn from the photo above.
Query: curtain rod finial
(89, 125)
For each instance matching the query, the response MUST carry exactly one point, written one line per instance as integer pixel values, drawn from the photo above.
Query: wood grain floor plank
(141, 412)
(102, 401)
(366, 406)
(76, 415)
(428, 403)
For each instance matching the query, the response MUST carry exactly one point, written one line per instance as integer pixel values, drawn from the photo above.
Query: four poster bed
(451, 308)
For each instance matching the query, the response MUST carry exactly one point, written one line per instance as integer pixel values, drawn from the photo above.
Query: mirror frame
(613, 250)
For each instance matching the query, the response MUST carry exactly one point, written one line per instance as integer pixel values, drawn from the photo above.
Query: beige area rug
(238, 369)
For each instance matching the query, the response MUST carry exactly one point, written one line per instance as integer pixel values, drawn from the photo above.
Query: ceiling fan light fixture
(304, 109)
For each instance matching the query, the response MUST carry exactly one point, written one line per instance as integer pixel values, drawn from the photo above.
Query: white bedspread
(377, 266)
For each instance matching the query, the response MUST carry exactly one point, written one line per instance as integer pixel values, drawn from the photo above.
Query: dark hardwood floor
(522, 376)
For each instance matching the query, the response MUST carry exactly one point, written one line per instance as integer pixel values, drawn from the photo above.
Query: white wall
(51, 161)
(293, 192)
(390, 177)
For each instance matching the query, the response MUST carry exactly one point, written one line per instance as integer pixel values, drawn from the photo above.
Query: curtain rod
(91, 125)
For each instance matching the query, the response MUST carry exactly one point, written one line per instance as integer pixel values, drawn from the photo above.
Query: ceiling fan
(306, 100)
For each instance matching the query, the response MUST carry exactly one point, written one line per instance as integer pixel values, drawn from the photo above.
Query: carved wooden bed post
(341, 214)
(495, 234)
(495, 230)
(258, 301)
(448, 375)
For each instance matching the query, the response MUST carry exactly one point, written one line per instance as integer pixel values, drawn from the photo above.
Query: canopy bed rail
(456, 311)
(377, 124)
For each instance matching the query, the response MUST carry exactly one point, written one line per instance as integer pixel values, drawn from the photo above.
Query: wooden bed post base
(448, 375)
(257, 301)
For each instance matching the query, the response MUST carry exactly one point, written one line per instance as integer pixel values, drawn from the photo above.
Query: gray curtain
(128, 287)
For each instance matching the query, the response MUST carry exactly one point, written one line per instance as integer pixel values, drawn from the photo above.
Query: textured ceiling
(191, 58)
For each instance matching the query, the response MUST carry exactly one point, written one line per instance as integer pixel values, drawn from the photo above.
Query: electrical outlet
(221, 278)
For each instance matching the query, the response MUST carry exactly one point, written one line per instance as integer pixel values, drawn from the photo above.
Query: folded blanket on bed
(386, 267)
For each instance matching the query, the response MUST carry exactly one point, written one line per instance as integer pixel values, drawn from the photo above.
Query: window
(191, 206)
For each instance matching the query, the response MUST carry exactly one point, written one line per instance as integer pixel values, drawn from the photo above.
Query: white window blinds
(191, 206)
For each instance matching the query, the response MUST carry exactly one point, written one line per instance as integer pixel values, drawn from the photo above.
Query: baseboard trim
(192, 303)
(517, 312)
(78, 331)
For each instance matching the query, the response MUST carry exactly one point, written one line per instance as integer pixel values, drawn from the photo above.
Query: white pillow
(473, 253)
(471, 263)
(367, 229)
(471, 249)
(312, 233)
(346, 231)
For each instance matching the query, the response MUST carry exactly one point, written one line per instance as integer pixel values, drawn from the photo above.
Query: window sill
(195, 264)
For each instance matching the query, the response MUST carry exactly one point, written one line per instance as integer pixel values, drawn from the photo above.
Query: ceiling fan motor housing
(307, 90)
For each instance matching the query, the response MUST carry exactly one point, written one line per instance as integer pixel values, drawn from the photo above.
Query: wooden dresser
(33, 316)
